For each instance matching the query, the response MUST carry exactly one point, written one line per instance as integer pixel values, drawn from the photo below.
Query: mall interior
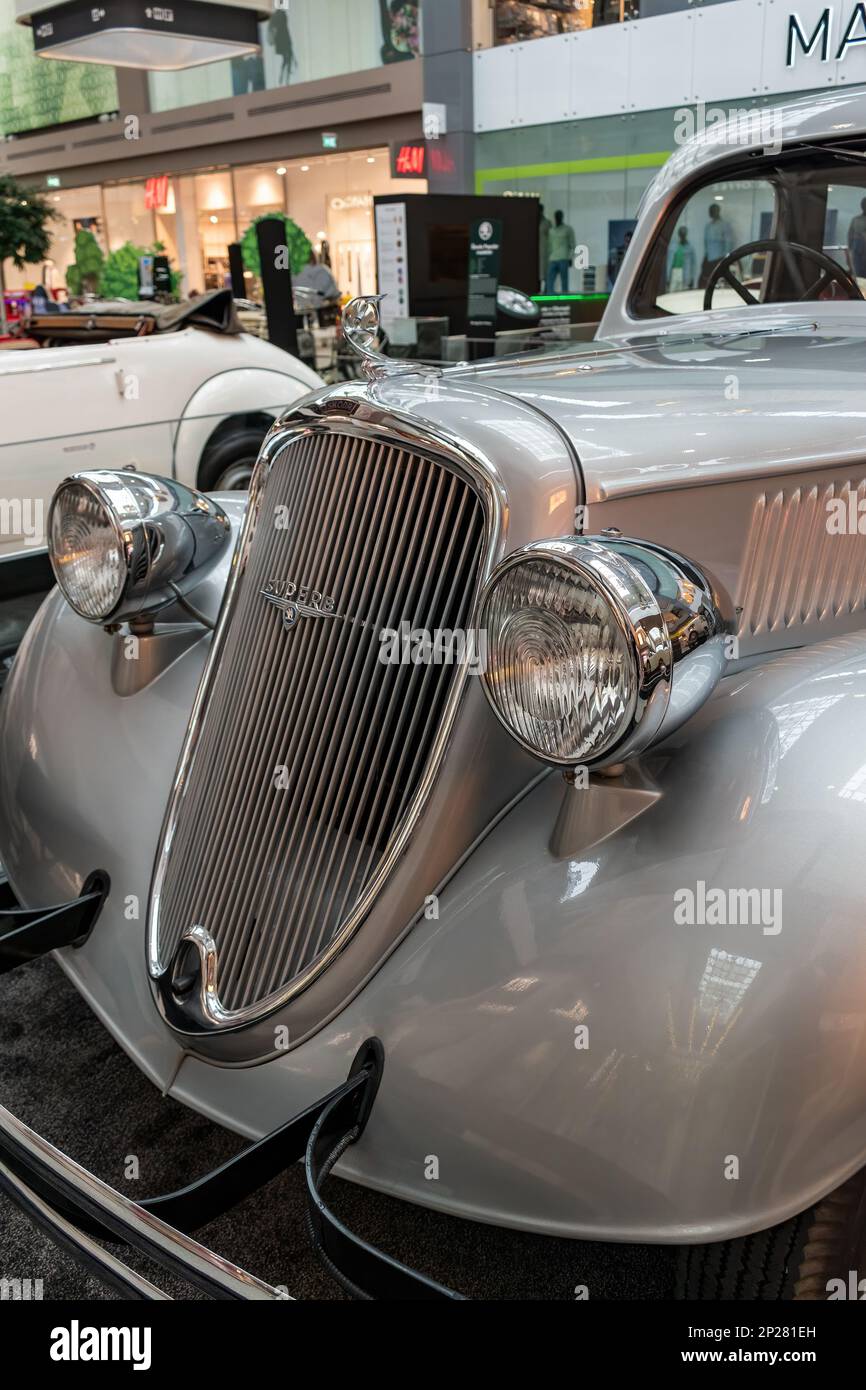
(573, 102)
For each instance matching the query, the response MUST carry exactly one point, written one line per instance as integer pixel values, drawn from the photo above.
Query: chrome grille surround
(353, 416)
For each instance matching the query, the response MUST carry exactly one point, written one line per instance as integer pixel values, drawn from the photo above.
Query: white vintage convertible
(569, 938)
(179, 390)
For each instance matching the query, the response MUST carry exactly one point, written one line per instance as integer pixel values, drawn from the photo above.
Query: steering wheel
(830, 271)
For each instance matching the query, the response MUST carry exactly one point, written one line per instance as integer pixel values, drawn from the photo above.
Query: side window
(713, 223)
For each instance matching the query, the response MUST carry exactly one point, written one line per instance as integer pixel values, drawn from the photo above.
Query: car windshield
(783, 230)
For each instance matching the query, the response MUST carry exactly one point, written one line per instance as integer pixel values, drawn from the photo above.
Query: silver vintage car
(480, 808)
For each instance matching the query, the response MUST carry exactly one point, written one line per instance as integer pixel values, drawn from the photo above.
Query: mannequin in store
(718, 241)
(682, 262)
(857, 240)
(543, 246)
(561, 242)
(317, 277)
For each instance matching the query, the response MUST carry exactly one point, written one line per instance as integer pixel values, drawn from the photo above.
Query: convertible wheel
(228, 466)
(793, 1261)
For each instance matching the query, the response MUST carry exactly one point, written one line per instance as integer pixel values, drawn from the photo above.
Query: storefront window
(594, 172)
(196, 217)
(177, 229)
(301, 42)
(217, 228)
(331, 199)
(259, 190)
(79, 210)
(127, 217)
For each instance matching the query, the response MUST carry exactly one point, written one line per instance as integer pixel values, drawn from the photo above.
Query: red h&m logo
(410, 161)
(156, 192)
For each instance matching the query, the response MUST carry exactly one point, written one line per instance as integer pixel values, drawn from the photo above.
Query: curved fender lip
(710, 1049)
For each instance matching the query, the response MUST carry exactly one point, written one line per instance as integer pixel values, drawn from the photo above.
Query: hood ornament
(362, 329)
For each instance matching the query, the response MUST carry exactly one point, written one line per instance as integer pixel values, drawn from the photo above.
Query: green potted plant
(120, 276)
(84, 275)
(297, 241)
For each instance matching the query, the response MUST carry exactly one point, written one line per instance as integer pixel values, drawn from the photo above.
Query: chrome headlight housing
(596, 648)
(125, 544)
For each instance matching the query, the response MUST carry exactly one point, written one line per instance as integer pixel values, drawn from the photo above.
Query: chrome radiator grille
(310, 749)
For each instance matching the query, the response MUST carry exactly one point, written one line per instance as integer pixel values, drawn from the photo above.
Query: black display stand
(276, 278)
(485, 256)
(236, 270)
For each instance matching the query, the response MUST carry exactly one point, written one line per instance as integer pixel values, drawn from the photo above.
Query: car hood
(694, 406)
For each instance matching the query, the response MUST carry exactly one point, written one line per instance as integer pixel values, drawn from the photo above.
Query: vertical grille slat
(273, 873)
(303, 828)
(361, 720)
(412, 705)
(214, 743)
(251, 810)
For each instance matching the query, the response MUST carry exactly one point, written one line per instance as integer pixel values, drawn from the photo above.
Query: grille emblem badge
(296, 602)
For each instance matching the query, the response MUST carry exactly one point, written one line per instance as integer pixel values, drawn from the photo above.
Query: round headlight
(582, 637)
(125, 544)
(87, 551)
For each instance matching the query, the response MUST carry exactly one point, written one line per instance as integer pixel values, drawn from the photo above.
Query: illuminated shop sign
(417, 160)
(409, 161)
(346, 201)
(156, 192)
(851, 31)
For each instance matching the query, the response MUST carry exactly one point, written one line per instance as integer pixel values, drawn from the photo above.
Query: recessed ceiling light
(305, 168)
(281, 170)
(371, 159)
(214, 218)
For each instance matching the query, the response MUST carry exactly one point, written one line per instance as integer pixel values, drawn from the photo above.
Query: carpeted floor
(61, 1073)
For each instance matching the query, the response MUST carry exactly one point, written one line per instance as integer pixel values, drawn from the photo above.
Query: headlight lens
(87, 553)
(582, 638)
(560, 669)
(125, 545)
